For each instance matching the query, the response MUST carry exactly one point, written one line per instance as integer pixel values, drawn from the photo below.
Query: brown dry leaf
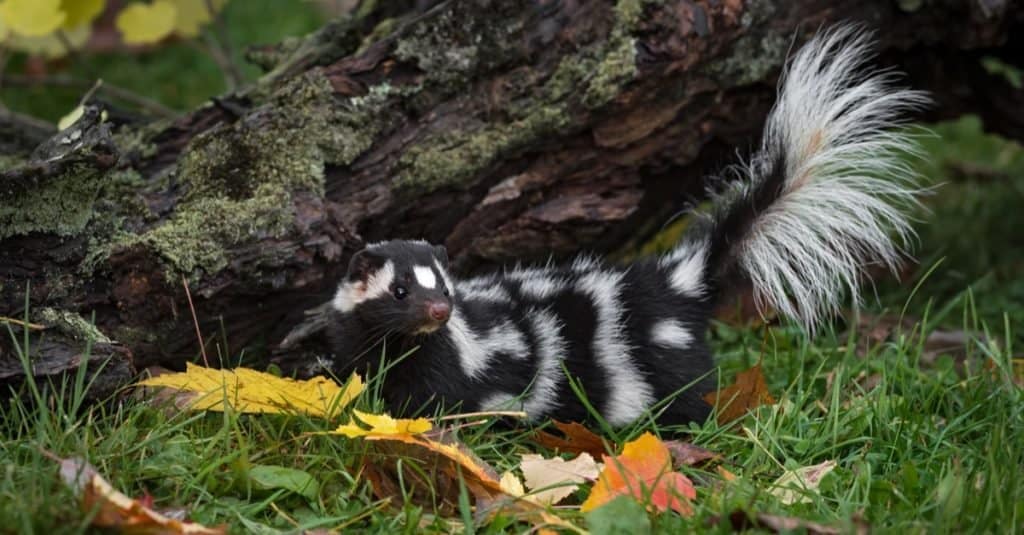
(686, 454)
(741, 521)
(960, 345)
(247, 390)
(431, 466)
(116, 510)
(552, 480)
(726, 475)
(748, 392)
(793, 486)
(578, 439)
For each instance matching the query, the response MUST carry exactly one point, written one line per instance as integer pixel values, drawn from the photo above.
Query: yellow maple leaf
(382, 425)
(79, 12)
(251, 391)
(32, 18)
(142, 24)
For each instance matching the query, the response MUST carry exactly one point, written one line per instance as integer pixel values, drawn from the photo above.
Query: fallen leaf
(382, 426)
(686, 454)
(726, 475)
(578, 439)
(748, 392)
(116, 510)
(644, 472)
(251, 391)
(962, 346)
(428, 469)
(793, 486)
(742, 521)
(552, 480)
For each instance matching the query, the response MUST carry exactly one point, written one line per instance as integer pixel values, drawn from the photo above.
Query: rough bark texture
(504, 129)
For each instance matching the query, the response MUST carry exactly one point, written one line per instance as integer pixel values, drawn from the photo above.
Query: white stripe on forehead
(425, 277)
(352, 293)
(444, 276)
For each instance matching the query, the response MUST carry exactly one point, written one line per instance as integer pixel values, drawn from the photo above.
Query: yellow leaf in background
(79, 12)
(50, 46)
(142, 24)
(32, 18)
(246, 390)
(382, 425)
(192, 15)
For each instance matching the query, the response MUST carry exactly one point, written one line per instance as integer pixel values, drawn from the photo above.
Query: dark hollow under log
(507, 130)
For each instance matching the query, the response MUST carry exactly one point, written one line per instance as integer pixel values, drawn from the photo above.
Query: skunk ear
(441, 253)
(363, 264)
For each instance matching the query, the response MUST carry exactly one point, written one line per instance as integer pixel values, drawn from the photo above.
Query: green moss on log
(71, 324)
(240, 179)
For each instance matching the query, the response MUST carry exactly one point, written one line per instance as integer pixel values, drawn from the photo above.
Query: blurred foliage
(971, 233)
(179, 71)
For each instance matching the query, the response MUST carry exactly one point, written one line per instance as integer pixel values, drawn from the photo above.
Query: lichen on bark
(586, 80)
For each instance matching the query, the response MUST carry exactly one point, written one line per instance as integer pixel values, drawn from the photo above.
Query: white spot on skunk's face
(351, 293)
(425, 277)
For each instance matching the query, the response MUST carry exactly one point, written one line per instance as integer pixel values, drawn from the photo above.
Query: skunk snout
(438, 310)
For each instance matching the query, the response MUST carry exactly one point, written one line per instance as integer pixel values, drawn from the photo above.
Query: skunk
(823, 197)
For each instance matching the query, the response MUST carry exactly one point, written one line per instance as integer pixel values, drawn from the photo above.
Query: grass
(920, 447)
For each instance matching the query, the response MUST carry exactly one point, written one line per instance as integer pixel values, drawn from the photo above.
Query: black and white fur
(817, 203)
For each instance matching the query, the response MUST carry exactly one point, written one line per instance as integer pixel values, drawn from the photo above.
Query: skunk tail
(823, 196)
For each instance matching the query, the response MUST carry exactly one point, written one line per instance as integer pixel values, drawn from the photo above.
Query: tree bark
(507, 130)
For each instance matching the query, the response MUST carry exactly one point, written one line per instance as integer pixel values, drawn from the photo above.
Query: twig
(60, 80)
(32, 326)
(195, 321)
(514, 414)
(220, 45)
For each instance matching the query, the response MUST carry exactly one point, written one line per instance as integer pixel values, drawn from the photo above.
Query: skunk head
(399, 287)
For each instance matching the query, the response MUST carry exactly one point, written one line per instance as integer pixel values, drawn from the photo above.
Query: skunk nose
(438, 310)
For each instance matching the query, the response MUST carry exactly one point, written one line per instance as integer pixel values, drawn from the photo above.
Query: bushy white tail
(828, 190)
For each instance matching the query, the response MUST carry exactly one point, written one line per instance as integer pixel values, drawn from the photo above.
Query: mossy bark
(503, 129)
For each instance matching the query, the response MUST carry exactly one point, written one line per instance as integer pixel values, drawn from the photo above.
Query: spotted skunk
(818, 202)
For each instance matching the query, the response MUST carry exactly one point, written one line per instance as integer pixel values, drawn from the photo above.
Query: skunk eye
(446, 292)
(401, 292)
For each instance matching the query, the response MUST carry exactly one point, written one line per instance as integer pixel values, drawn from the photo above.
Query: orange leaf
(748, 392)
(116, 510)
(578, 439)
(644, 472)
